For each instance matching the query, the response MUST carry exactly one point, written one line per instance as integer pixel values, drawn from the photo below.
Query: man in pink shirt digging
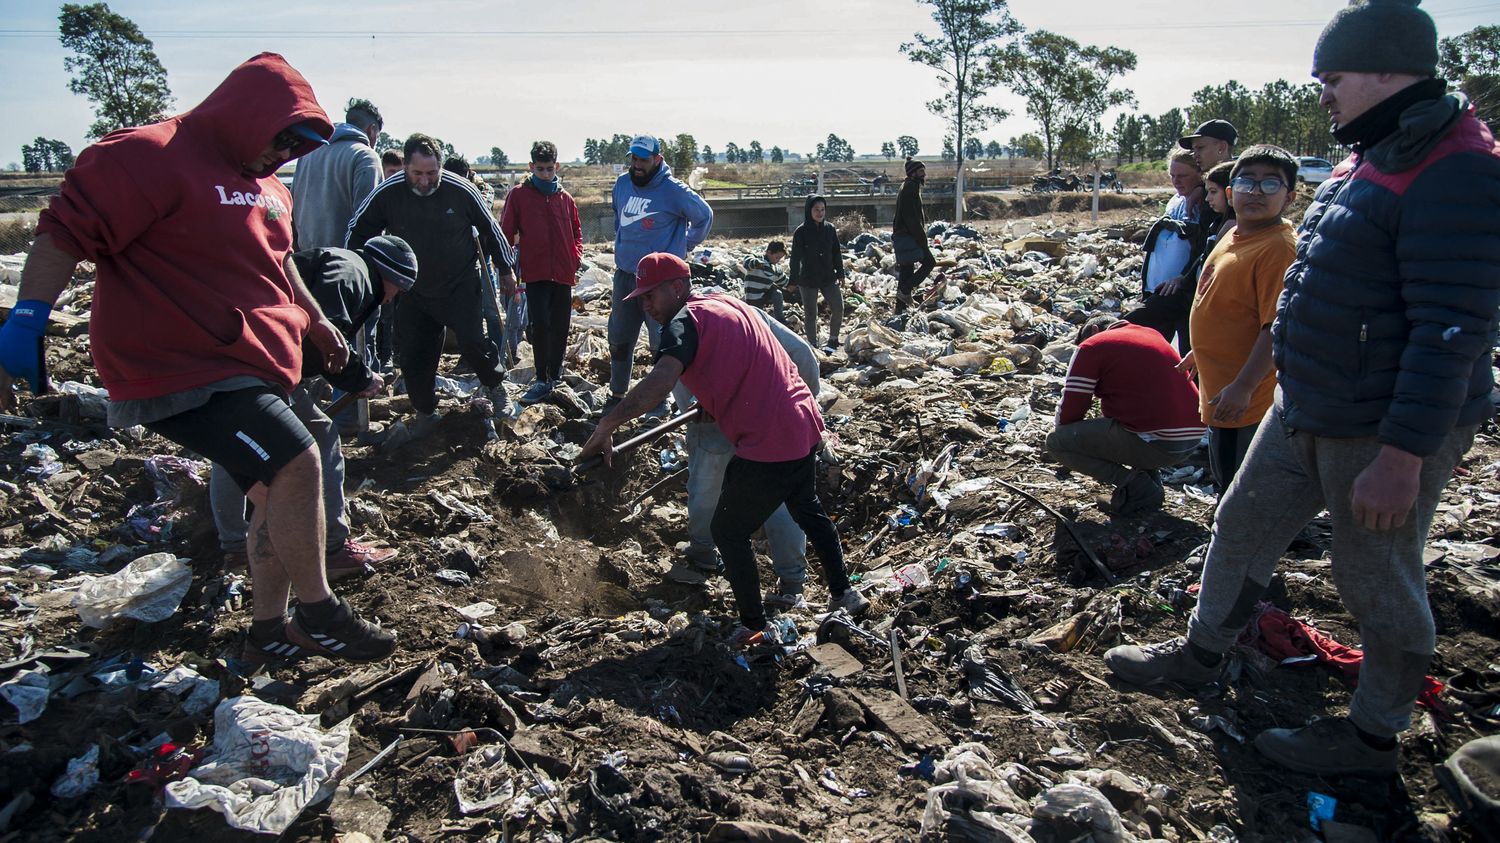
(723, 352)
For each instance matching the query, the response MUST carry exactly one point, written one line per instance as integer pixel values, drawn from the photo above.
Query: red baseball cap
(656, 269)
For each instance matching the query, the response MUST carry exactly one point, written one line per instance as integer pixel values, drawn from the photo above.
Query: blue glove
(21, 343)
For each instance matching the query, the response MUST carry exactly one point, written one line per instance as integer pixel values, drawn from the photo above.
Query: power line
(687, 33)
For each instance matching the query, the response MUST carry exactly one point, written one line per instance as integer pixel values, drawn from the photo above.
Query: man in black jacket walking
(909, 235)
(1382, 341)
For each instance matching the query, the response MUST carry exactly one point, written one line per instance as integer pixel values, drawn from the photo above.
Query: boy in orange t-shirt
(1236, 304)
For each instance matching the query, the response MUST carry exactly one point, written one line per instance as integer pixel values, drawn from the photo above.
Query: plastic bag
(147, 589)
(1076, 811)
(267, 764)
(972, 800)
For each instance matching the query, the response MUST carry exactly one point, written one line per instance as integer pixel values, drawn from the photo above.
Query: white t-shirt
(1170, 256)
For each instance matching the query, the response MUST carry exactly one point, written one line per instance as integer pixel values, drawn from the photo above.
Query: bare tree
(973, 36)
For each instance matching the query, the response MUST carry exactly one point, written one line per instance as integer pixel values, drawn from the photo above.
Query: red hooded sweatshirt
(190, 286)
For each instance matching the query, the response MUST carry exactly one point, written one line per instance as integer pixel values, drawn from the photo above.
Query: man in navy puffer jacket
(1382, 343)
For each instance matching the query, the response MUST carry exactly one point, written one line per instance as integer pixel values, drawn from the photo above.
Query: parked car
(1313, 171)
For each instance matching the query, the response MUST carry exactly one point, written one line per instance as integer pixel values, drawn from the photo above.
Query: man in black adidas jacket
(438, 213)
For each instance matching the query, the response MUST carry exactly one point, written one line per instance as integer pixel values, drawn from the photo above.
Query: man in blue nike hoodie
(654, 212)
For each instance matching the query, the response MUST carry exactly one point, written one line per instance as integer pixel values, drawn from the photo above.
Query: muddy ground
(620, 690)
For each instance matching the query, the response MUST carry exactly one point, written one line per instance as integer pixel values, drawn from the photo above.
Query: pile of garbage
(559, 680)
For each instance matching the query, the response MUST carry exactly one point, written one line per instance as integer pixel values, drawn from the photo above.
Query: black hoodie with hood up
(817, 258)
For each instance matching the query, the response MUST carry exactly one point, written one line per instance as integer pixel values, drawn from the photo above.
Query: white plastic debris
(148, 589)
(80, 777)
(266, 765)
(28, 693)
(484, 781)
(198, 693)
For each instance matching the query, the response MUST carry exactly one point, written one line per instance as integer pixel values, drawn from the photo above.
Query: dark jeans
(420, 322)
(773, 300)
(551, 307)
(912, 274)
(1168, 315)
(1226, 451)
(754, 490)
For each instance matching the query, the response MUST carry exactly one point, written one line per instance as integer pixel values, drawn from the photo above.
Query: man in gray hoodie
(330, 183)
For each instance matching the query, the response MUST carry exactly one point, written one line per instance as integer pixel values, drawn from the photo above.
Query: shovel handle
(642, 438)
(342, 404)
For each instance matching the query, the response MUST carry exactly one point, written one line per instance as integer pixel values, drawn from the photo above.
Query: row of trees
(1068, 87)
(45, 155)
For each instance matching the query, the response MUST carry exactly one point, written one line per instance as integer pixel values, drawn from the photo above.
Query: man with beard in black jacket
(436, 212)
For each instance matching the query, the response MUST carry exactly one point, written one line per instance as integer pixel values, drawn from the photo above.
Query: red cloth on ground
(1281, 636)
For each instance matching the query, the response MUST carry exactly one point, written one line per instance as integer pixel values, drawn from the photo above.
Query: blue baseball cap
(305, 130)
(645, 146)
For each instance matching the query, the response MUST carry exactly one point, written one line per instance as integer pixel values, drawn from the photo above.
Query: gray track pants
(1288, 478)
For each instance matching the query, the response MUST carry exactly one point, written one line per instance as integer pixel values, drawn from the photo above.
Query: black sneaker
(285, 645)
(1327, 747)
(347, 636)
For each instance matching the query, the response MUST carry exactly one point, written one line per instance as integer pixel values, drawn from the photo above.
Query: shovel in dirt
(584, 475)
(639, 439)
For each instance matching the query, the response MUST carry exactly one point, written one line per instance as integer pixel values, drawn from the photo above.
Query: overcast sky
(482, 73)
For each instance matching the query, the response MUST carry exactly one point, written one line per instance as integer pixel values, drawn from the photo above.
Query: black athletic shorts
(252, 433)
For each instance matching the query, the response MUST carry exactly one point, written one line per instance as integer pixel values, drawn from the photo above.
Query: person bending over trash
(1149, 412)
(350, 287)
(199, 322)
(1382, 340)
(765, 284)
(723, 352)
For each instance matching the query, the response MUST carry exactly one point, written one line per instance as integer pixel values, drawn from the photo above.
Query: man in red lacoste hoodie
(199, 318)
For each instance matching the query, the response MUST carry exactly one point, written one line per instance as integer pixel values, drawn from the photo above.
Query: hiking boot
(743, 636)
(660, 411)
(539, 389)
(850, 601)
(612, 402)
(787, 597)
(356, 558)
(423, 424)
(347, 636)
(1170, 662)
(1327, 747)
(703, 559)
(1140, 493)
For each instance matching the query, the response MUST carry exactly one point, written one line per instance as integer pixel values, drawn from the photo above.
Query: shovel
(639, 439)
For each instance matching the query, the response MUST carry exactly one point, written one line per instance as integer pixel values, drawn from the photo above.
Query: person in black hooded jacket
(818, 266)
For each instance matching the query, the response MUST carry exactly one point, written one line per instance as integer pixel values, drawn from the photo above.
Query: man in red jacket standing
(539, 212)
(198, 321)
(1149, 412)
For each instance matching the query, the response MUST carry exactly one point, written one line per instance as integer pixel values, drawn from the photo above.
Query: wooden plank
(897, 716)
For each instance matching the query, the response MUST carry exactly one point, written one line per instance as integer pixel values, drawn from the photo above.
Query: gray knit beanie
(1378, 36)
(394, 258)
